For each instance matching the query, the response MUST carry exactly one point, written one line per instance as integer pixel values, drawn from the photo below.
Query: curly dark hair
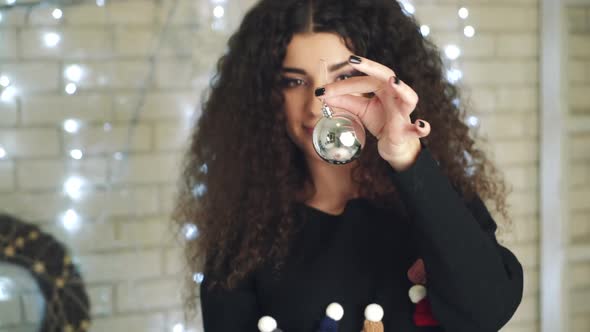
(241, 170)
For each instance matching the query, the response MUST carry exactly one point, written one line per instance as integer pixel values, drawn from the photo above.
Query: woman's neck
(329, 186)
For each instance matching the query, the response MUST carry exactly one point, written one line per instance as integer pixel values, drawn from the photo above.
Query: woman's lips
(308, 130)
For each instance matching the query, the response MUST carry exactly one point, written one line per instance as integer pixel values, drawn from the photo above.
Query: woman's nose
(314, 109)
(315, 106)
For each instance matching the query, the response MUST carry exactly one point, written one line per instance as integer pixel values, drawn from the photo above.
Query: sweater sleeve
(229, 310)
(474, 283)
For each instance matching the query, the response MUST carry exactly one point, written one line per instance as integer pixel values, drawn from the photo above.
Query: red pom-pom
(417, 272)
(423, 314)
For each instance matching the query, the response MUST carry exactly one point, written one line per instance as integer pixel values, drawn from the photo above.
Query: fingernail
(354, 59)
(396, 80)
(320, 92)
(421, 124)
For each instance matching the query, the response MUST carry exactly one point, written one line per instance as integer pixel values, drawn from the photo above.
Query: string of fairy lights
(74, 73)
(75, 186)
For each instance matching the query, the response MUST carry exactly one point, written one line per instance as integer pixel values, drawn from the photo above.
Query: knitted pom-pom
(267, 324)
(373, 316)
(369, 326)
(417, 293)
(335, 311)
(417, 272)
(374, 313)
(423, 315)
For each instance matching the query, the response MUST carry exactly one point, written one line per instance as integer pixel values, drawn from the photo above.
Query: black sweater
(362, 256)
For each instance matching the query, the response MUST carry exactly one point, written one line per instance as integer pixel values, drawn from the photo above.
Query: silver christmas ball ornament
(338, 137)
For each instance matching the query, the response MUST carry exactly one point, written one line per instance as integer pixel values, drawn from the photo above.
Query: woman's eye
(291, 82)
(343, 77)
(348, 75)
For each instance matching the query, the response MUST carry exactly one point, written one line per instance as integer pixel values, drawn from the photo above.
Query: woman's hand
(386, 115)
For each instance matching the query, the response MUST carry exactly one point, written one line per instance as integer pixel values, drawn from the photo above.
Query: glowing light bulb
(71, 220)
(178, 328)
(218, 11)
(71, 126)
(100, 3)
(204, 169)
(425, 30)
(4, 81)
(473, 121)
(51, 39)
(190, 231)
(10, 2)
(73, 187)
(198, 277)
(8, 94)
(2, 153)
(408, 8)
(463, 13)
(454, 75)
(452, 52)
(73, 73)
(76, 154)
(71, 88)
(199, 190)
(469, 31)
(57, 13)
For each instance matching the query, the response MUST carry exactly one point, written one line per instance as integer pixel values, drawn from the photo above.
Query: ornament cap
(327, 111)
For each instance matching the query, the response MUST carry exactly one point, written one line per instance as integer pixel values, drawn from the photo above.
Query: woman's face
(302, 73)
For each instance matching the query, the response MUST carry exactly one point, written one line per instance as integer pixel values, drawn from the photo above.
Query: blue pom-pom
(328, 325)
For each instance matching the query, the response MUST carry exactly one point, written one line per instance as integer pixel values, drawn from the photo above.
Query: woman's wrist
(407, 158)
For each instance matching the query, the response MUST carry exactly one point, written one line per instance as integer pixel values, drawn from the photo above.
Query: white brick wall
(109, 267)
(579, 165)
(79, 42)
(9, 113)
(53, 109)
(102, 300)
(500, 78)
(149, 322)
(149, 295)
(38, 174)
(8, 41)
(112, 74)
(32, 76)
(6, 176)
(30, 142)
(95, 140)
(129, 260)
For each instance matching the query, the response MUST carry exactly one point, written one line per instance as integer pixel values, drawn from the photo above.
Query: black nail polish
(396, 80)
(421, 124)
(354, 59)
(320, 92)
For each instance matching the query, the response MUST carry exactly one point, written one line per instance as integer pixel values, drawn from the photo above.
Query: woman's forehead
(305, 51)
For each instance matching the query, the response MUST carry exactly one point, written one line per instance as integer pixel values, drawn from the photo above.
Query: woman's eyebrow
(333, 67)
(294, 70)
(338, 65)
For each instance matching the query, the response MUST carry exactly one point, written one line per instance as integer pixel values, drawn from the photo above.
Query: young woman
(284, 233)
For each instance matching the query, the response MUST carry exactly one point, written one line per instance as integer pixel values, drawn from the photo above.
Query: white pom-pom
(335, 311)
(374, 312)
(417, 293)
(267, 324)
